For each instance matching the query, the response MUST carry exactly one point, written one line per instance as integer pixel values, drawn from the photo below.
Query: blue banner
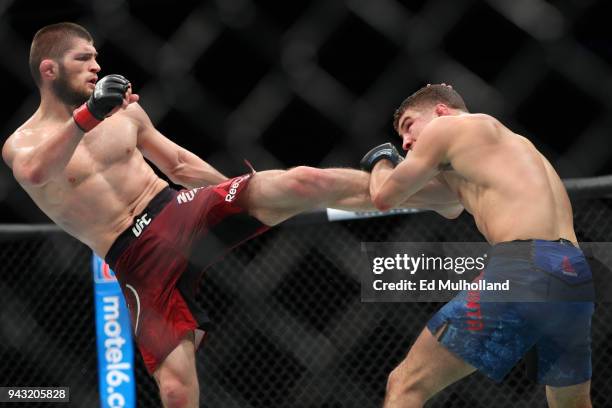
(114, 340)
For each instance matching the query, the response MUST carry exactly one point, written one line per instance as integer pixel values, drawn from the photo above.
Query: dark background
(316, 82)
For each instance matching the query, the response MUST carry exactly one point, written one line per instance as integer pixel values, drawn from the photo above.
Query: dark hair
(428, 96)
(53, 41)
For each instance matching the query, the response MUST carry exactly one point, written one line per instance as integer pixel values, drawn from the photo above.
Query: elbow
(181, 181)
(455, 212)
(381, 202)
(33, 176)
(174, 178)
(450, 212)
(176, 175)
(36, 178)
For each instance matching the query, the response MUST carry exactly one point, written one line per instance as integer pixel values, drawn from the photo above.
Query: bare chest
(104, 147)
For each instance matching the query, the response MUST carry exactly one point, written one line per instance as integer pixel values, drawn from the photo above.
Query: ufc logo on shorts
(140, 224)
(233, 189)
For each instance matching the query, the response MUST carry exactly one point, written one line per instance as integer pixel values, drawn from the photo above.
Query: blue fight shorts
(553, 283)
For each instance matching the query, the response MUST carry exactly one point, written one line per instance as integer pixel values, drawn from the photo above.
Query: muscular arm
(436, 196)
(36, 158)
(180, 165)
(414, 182)
(389, 187)
(38, 155)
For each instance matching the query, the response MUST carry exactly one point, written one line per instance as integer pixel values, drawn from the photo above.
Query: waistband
(524, 247)
(139, 223)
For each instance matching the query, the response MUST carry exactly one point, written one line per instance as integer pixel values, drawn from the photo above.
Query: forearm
(192, 172)
(50, 157)
(381, 172)
(386, 193)
(448, 210)
(434, 195)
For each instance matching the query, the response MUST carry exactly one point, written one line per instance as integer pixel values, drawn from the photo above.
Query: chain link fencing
(290, 329)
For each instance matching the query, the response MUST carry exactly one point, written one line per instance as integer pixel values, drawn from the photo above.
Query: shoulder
(467, 128)
(444, 135)
(133, 111)
(462, 123)
(134, 114)
(8, 151)
(21, 139)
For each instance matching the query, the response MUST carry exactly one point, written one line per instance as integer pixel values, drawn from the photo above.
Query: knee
(306, 182)
(395, 383)
(402, 389)
(176, 394)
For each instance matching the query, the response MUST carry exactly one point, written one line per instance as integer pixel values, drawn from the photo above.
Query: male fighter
(80, 158)
(514, 194)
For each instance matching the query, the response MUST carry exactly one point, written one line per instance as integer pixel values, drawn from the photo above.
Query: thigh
(205, 224)
(564, 351)
(270, 196)
(491, 336)
(430, 366)
(269, 189)
(274, 196)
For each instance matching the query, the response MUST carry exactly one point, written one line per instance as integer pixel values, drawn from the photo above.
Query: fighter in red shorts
(80, 157)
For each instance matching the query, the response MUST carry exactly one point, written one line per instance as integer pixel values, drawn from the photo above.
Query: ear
(48, 69)
(442, 110)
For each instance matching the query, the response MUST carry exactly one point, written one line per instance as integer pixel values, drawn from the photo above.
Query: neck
(53, 108)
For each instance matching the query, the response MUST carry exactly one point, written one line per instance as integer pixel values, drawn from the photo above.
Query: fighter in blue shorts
(521, 207)
(547, 307)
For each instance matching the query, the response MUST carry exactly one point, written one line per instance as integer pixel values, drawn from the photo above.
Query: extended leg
(273, 196)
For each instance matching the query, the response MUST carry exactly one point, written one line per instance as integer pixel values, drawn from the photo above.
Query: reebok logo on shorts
(140, 224)
(233, 189)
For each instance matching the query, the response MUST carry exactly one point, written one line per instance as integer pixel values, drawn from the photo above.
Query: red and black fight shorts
(160, 258)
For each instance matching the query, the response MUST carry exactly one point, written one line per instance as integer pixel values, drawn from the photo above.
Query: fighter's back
(512, 191)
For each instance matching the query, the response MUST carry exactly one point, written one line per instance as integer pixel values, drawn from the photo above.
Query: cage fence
(290, 329)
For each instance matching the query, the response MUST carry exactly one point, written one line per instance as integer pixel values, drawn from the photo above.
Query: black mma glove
(385, 151)
(107, 95)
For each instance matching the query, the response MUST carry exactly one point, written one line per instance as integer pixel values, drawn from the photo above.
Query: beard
(66, 93)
